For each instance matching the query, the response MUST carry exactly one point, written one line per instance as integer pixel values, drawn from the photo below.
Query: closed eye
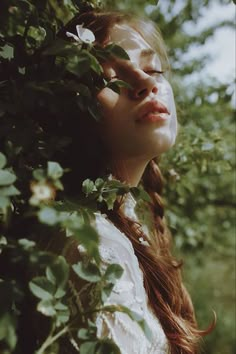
(154, 72)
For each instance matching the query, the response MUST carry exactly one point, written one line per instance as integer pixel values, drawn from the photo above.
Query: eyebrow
(147, 53)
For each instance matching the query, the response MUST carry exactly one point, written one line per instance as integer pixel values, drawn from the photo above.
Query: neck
(128, 170)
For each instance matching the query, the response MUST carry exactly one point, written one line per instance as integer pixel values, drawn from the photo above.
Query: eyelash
(154, 72)
(150, 72)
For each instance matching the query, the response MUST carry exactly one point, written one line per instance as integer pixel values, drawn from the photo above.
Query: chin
(163, 142)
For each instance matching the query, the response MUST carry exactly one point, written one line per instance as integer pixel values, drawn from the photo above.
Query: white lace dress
(129, 291)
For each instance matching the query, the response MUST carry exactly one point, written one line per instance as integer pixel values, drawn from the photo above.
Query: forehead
(126, 37)
(132, 42)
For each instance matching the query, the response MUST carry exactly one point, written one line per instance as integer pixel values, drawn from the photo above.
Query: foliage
(39, 73)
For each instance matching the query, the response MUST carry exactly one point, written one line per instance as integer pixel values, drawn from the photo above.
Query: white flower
(42, 192)
(83, 35)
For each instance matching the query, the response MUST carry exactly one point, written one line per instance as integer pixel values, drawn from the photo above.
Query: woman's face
(140, 122)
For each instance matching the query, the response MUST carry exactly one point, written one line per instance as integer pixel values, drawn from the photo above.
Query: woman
(137, 125)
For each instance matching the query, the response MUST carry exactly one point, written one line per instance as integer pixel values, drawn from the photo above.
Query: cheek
(165, 92)
(167, 97)
(108, 100)
(173, 121)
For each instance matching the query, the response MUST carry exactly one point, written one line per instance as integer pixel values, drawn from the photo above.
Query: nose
(143, 86)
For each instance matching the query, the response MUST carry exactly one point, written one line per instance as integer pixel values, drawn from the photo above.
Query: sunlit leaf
(42, 288)
(57, 273)
(7, 52)
(83, 333)
(90, 272)
(88, 348)
(48, 216)
(8, 327)
(3, 160)
(117, 51)
(6, 178)
(113, 272)
(54, 170)
(88, 187)
(4, 202)
(46, 308)
(26, 244)
(9, 191)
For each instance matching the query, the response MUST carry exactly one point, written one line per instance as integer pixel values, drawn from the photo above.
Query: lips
(153, 109)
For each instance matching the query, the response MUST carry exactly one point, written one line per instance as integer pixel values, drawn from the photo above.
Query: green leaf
(106, 291)
(90, 272)
(89, 238)
(62, 317)
(4, 202)
(99, 183)
(48, 216)
(26, 244)
(6, 178)
(58, 272)
(110, 199)
(133, 315)
(7, 52)
(140, 193)
(46, 308)
(116, 85)
(107, 346)
(146, 329)
(71, 221)
(42, 288)
(84, 90)
(117, 51)
(54, 170)
(59, 293)
(3, 241)
(83, 333)
(92, 326)
(3, 160)
(61, 47)
(113, 272)
(88, 348)
(39, 174)
(60, 306)
(79, 64)
(82, 62)
(8, 329)
(9, 191)
(88, 187)
(94, 111)
(63, 313)
(94, 64)
(58, 185)
(38, 33)
(121, 186)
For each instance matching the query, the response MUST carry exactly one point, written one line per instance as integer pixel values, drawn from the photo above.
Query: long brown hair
(167, 295)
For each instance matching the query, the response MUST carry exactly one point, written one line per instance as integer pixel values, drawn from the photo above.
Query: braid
(168, 297)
